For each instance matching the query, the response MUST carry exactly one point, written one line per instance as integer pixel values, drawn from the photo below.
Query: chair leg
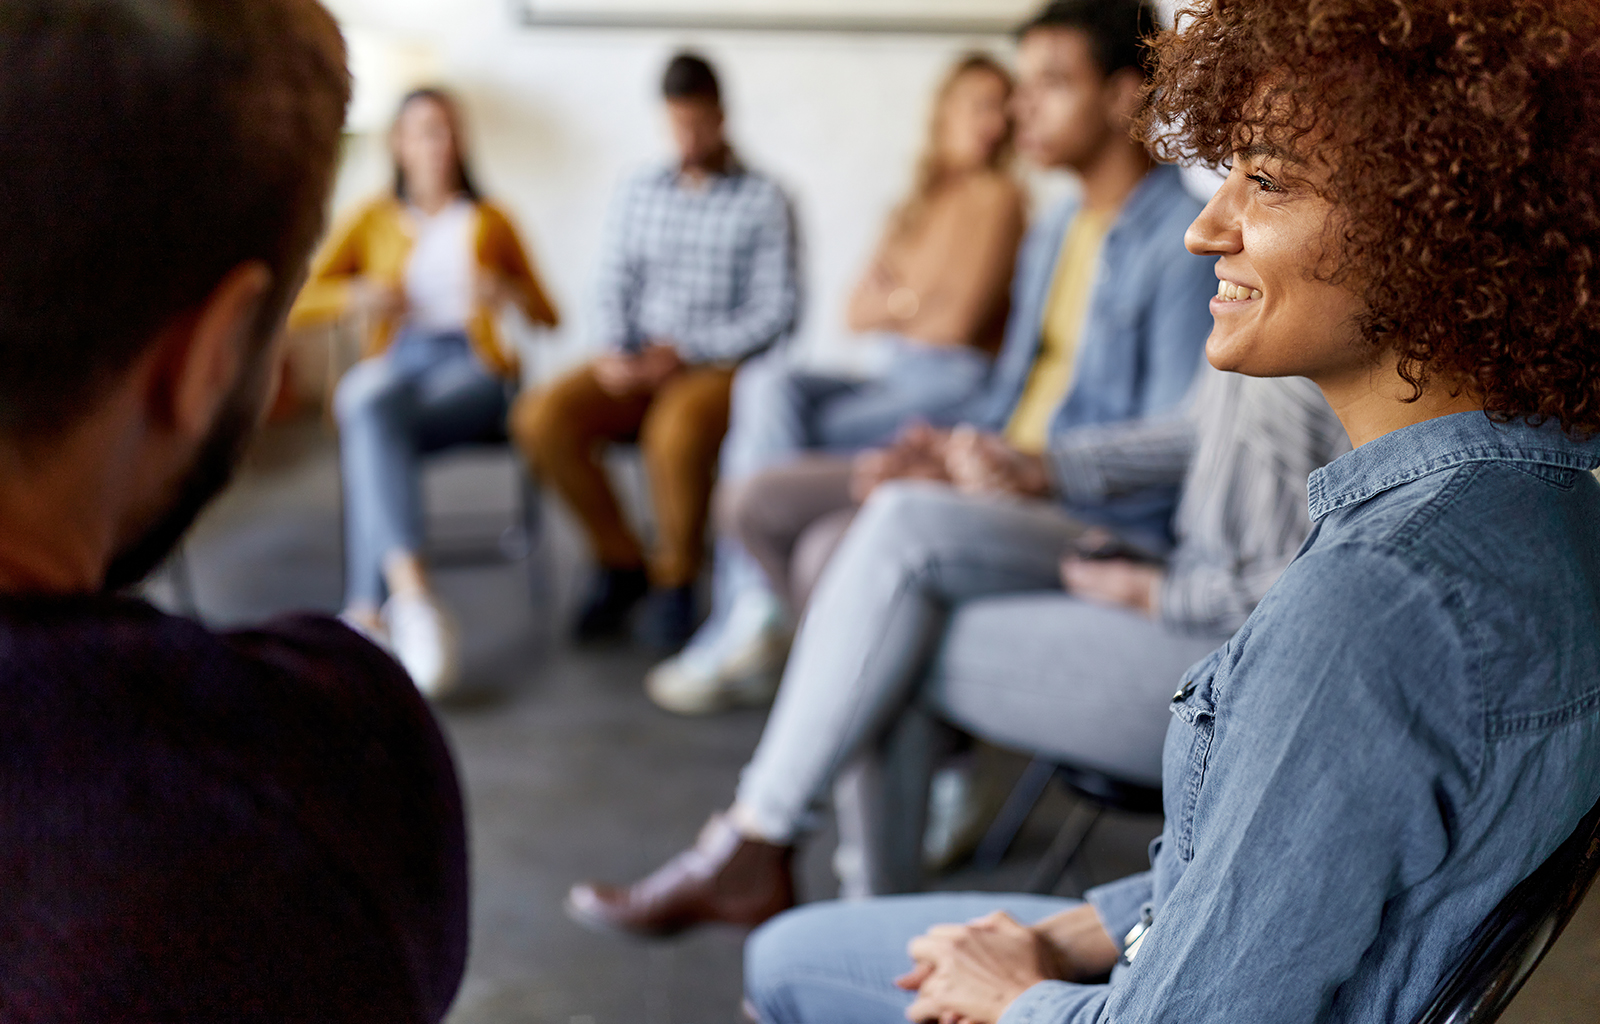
(532, 534)
(1066, 846)
(517, 540)
(1013, 815)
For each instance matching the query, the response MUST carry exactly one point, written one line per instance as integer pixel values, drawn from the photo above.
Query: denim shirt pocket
(1195, 705)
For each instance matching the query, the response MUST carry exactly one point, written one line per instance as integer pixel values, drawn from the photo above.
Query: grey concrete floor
(571, 773)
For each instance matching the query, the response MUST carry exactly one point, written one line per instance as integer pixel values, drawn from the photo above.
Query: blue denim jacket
(1143, 333)
(1405, 728)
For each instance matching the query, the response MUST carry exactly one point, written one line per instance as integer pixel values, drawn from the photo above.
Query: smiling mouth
(1227, 291)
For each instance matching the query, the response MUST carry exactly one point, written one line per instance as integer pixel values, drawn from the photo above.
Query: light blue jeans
(835, 963)
(780, 410)
(427, 393)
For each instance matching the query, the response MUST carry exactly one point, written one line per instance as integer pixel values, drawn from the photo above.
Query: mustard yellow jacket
(375, 243)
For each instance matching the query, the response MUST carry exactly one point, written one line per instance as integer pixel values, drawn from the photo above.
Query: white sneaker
(424, 641)
(739, 667)
(958, 814)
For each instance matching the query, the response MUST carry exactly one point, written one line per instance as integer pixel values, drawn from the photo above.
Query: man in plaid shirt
(698, 274)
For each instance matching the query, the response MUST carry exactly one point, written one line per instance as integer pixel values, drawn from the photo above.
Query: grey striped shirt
(1242, 448)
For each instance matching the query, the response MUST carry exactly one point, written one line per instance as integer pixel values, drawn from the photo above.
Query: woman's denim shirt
(1405, 728)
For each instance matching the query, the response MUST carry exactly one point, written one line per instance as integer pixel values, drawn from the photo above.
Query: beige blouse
(947, 281)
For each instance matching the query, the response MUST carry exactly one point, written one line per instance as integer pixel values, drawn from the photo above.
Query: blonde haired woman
(427, 269)
(935, 292)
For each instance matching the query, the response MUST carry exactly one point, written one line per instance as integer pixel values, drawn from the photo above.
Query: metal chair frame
(1503, 951)
(1096, 793)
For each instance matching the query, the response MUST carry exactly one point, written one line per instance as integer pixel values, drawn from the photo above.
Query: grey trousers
(942, 610)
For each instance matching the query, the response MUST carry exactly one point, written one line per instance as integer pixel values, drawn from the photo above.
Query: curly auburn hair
(1463, 140)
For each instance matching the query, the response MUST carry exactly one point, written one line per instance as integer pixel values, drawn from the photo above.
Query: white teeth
(1230, 292)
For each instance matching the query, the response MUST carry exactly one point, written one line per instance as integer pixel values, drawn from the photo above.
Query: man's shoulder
(1160, 209)
(644, 180)
(1056, 217)
(243, 693)
(1168, 193)
(1041, 244)
(196, 783)
(318, 682)
(760, 187)
(308, 649)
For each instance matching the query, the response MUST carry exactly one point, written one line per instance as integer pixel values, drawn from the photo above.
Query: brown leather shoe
(723, 878)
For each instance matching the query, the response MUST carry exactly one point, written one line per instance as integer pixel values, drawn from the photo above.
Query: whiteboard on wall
(868, 16)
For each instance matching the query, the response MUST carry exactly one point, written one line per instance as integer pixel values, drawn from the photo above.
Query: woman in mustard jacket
(425, 271)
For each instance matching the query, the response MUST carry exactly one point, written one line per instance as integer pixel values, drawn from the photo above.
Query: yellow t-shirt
(1068, 303)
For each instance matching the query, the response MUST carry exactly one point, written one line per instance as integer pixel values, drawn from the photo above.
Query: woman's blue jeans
(780, 410)
(835, 962)
(427, 393)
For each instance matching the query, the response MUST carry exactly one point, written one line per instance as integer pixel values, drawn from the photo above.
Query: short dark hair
(1119, 30)
(149, 147)
(690, 76)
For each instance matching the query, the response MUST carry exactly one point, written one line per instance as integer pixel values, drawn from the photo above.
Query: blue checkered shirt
(713, 270)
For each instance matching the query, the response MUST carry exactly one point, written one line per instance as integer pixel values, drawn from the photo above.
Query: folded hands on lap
(969, 973)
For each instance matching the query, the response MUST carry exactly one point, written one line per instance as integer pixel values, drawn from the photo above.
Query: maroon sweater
(252, 826)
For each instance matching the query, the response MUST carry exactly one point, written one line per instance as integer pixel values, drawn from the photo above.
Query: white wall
(557, 115)
(1006, 9)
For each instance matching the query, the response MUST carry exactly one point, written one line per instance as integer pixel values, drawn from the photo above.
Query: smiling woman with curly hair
(1462, 143)
(1409, 724)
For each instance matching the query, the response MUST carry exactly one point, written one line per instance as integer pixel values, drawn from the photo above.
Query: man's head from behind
(693, 97)
(1083, 66)
(166, 167)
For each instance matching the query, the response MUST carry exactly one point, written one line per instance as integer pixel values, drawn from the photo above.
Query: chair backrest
(1511, 941)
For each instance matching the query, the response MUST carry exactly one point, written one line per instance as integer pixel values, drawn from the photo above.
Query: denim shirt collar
(1413, 452)
(1150, 202)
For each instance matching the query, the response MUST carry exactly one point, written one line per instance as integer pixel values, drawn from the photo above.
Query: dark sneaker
(668, 619)
(612, 596)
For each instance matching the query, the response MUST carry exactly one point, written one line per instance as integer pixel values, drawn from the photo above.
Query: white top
(439, 273)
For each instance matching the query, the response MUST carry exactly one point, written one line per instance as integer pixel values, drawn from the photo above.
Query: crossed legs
(1047, 674)
(875, 622)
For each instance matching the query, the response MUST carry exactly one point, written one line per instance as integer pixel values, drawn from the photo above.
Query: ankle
(749, 827)
(404, 574)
